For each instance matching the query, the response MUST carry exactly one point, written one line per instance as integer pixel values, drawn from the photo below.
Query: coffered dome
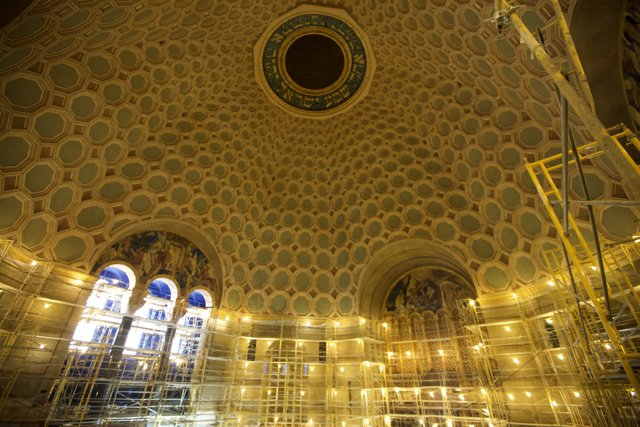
(120, 114)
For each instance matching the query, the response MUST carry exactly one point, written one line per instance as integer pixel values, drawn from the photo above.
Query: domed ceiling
(116, 113)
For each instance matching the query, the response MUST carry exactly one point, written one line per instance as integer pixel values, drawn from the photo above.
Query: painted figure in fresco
(396, 299)
(425, 294)
(449, 295)
(206, 277)
(174, 257)
(191, 269)
(162, 261)
(426, 290)
(147, 262)
(126, 249)
(400, 301)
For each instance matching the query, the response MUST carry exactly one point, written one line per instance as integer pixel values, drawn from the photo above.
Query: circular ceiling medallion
(314, 61)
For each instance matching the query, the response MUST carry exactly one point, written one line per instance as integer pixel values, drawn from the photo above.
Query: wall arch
(186, 231)
(396, 259)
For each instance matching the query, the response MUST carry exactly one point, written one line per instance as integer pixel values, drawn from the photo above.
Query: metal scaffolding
(580, 267)
(540, 356)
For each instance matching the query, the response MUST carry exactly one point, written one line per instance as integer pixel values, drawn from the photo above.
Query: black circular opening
(314, 61)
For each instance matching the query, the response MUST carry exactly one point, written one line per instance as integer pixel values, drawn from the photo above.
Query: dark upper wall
(596, 27)
(11, 9)
(631, 60)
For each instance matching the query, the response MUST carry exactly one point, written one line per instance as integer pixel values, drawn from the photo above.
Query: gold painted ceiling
(116, 113)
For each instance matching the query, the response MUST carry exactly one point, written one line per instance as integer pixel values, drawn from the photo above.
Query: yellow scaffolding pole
(505, 13)
(540, 172)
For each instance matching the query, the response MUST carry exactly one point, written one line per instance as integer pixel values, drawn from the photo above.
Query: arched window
(133, 360)
(109, 298)
(189, 332)
(92, 345)
(158, 309)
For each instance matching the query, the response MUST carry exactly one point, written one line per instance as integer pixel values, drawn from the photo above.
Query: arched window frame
(101, 318)
(187, 341)
(152, 319)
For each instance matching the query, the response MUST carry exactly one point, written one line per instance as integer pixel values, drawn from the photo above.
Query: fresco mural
(427, 289)
(157, 252)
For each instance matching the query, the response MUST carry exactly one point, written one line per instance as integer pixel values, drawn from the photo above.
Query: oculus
(314, 61)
